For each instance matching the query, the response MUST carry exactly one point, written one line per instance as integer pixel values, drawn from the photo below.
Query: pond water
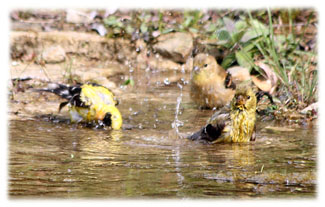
(61, 160)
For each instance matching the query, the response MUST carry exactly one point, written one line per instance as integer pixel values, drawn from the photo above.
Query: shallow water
(61, 160)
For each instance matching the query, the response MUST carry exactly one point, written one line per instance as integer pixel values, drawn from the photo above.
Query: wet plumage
(232, 123)
(89, 103)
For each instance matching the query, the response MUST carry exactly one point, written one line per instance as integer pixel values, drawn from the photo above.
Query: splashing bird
(88, 103)
(234, 122)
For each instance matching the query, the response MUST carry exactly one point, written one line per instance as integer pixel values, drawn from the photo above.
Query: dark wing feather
(71, 93)
(63, 104)
(208, 133)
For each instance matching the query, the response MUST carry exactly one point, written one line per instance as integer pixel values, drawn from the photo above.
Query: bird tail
(66, 92)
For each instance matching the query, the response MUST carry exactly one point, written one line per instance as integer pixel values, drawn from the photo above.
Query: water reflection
(71, 161)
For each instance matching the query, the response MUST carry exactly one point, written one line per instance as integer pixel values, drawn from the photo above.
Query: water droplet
(14, 63)
(166, 81)
(68, 180)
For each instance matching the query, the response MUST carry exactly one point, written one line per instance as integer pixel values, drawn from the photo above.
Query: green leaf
(248, 47)
(167, 30)
(128, 81)
(229, 24)
(143, 28)
(193, 30)
(255, 30)
(240, 25)
(129, 29)
(212, 27)
(244, 59)
(236, 37)
(228, 60)
(111, 20)
(187, 21)
(223, 35)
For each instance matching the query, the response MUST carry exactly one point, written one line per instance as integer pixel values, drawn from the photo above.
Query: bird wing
(216, 129)
(96, 94)
(71, 93)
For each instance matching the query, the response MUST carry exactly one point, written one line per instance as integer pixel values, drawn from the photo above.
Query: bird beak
(240, 102)
(196, 69)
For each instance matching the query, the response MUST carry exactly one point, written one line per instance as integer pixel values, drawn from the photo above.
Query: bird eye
(248, 97)
(205, 65)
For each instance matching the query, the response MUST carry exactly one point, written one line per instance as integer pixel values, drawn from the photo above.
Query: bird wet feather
(234, 122)
(89, 103)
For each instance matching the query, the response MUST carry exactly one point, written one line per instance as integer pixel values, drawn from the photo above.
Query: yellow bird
(234, 123)
(209, 88)
(89, 102)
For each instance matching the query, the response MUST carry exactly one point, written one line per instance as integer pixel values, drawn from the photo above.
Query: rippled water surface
(62, 160)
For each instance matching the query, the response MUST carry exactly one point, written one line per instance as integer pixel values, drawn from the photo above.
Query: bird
(235, 122)
(208, 87)
(88, 102)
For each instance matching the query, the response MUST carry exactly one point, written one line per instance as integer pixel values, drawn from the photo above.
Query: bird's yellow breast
(242, 126)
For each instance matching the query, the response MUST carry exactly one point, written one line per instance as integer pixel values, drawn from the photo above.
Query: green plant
(249, 40)
(281, 53)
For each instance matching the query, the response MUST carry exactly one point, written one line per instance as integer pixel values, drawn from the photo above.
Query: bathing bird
(234, 122)
(208, 86)
(88, 103)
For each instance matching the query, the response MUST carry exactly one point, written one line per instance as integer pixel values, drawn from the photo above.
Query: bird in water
(88, 103)
(234, 122)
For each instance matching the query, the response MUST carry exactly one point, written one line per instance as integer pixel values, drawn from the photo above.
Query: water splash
(177, 123)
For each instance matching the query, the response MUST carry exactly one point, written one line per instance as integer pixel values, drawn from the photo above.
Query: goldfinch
(234, 122)
(208, 87)
(89, 102)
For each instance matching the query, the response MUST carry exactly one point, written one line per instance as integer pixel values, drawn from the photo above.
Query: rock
(163, 64)
(176, 46)
(99, 28)
(188, 66)
(77, 17)
(239, 74)
(54, 54)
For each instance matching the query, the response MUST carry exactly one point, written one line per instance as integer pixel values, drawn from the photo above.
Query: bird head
(112, 117)
(204, 66)
(244, 99)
